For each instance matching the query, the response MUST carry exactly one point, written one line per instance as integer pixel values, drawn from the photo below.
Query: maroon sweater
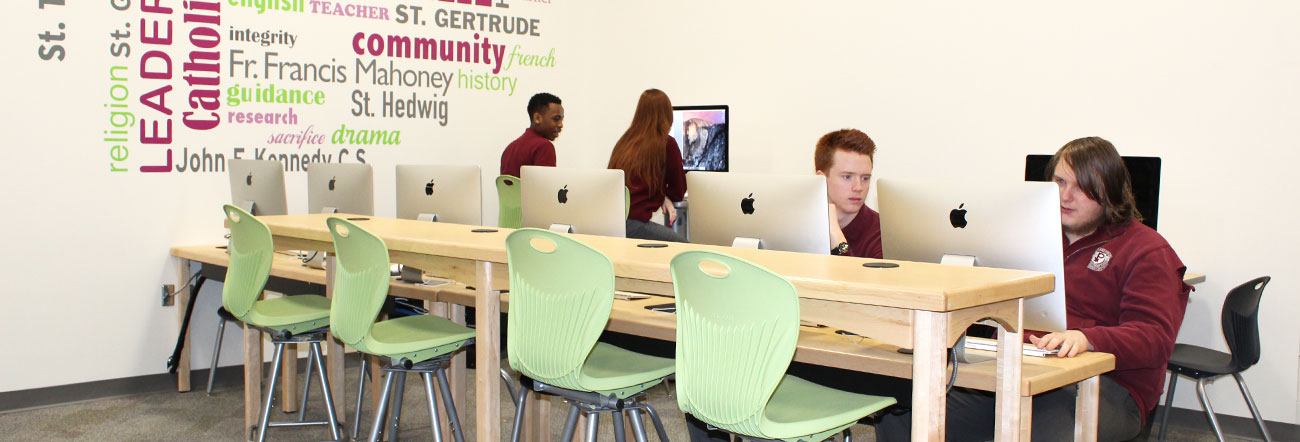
(530, 149)
(863, 234)
(1124, 290)
(647, 201)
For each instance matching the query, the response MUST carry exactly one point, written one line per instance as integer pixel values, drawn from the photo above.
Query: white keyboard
(992, 345)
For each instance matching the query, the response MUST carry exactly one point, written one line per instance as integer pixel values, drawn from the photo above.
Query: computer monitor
(1010, 225)
(340, 187)
(701, 134)
(1143, 171)
(258, 186)
(442, 193)
(586, 201)
(778, 212)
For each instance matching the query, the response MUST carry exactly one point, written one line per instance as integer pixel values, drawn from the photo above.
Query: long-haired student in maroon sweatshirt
(1124, 296)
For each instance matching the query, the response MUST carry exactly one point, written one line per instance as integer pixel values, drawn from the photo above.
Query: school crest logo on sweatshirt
(1100, 259)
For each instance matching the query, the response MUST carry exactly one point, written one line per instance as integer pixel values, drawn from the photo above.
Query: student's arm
(670, 211)
(674, 176)
(837, 235)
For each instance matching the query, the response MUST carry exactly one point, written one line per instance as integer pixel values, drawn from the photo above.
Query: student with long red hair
(652, 167)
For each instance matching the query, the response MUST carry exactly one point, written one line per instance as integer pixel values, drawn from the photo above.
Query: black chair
(1241, 330)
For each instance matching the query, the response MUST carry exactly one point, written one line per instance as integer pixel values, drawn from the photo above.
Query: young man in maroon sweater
(846, 157)
(534, 147)
(1124, 296)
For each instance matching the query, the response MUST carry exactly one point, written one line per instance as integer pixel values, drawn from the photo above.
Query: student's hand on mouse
(671, 211)
(1070, 342)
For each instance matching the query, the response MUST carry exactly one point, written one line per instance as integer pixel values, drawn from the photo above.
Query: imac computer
(586, 201)
(1144, 174)
(776, 212)
(1009, 225)
(340, 188)
(257, 186)
(442, 193)
(438, 193)
(701, 134)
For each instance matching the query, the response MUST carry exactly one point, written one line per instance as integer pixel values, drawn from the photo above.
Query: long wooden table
(921, 306)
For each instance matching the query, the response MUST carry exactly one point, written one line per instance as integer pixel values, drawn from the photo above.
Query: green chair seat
(295, 314)
(610, 370)
(416, 338)
(800, 408)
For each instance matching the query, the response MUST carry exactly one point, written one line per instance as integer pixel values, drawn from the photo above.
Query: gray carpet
(195, 416)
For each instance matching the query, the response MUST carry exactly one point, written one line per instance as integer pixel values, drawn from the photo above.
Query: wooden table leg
(1085, 409)
(252, 378)
(537, 418)
(487, 351)
(334, 357)
(456, 370)
(1009, 399)
(289, 393)
(183, 298)
(929, 376)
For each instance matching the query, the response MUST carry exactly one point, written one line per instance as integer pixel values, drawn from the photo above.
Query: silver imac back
(590, 200)
(258, 186)
(445, 193)
(1010, 225)
(785, 212)
(347, 187)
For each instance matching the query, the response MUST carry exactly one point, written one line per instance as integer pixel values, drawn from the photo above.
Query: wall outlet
(168, 295)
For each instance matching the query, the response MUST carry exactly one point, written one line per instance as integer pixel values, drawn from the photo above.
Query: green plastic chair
(509, 214)
(561, 294)
(736, 335)
(288, 320)
(415, 344)
(627, 202)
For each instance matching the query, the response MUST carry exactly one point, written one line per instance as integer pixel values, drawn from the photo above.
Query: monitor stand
(412, 274)
(747, 243)
(562, 228)
(960, 346)
(316, 259)
(248, 206)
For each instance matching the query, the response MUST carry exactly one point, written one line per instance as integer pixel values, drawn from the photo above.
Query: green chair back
(361, 279)
(509, 214)
(736, 335)
(561, 293)
(627, 201)
(250, 261)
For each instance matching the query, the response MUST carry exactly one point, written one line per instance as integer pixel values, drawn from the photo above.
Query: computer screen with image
(1008, 225)
(701, 134)
(784, 212)
(258, 186)
(590, 201)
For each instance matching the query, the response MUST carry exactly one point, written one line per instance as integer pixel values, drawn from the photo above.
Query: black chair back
(1241, 322)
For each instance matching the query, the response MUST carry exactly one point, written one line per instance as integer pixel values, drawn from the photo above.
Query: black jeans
(652, 231)
(971, 416)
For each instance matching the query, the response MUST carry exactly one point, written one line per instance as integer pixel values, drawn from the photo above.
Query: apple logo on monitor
(331, 186)
(563, 195)
(958, 217)
(747, 205)
(249, 180)
(428, 188)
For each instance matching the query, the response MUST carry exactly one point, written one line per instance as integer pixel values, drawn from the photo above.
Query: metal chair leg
(216, 352)
(318, 355)
(1205, 403)
(848, 435)
(659, 424)
(638, 428)
(361, 393)
(433, 407)
(593, 427)
(378, 427)
(1259, 420)
(570, 423)
(306, 386)
(520, 403)
(270, 392)
(510, 387)
(396, 412)
(456, 431)
(1169, 402)
(618, 427)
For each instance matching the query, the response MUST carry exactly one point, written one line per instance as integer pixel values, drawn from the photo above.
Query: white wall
(953, 89)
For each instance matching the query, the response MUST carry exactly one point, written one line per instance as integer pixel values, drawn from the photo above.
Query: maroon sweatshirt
(647, 201)
(530, 149)
(1124, 290)
(863, 234)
